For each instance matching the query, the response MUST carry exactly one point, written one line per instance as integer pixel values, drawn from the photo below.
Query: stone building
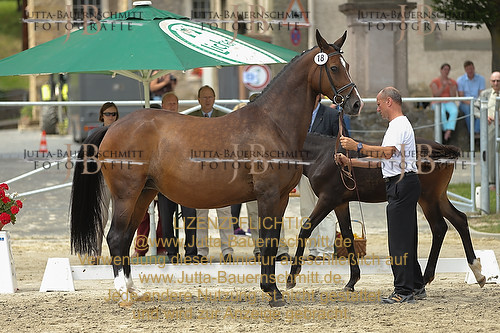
(379, 50)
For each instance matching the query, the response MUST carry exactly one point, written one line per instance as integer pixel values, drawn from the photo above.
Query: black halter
(337, 98)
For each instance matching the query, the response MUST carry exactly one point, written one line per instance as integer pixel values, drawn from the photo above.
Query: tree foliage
(477, 11)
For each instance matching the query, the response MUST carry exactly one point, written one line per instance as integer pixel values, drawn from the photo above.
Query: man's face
(470, 70)
(495, 81)
(383, 106)
(170, 103)
(206, 100)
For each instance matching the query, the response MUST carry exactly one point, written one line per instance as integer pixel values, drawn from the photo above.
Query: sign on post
(256, 77)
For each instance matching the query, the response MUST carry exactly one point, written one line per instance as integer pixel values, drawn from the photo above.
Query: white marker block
(57, 276)
(8, 280)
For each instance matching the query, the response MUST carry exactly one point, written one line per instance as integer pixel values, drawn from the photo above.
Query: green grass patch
(484, 223)
(463, 189)
(11, 42)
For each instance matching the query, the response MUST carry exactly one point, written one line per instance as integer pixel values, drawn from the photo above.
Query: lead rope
(345, 172)
(349, 173)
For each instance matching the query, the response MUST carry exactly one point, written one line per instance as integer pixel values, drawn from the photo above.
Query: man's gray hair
(393, 93)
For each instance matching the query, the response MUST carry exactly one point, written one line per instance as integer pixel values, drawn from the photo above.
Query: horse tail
(86, 198)
(438, 151)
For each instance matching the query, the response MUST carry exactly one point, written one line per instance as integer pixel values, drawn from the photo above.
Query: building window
(201, 10)
(78, 9)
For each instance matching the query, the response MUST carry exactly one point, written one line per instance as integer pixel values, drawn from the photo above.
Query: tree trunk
(495, 45)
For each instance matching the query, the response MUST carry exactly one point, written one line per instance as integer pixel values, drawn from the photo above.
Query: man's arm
(368, 150)
(344, 160)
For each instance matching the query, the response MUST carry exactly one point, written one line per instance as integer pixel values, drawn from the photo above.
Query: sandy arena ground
(451, 305)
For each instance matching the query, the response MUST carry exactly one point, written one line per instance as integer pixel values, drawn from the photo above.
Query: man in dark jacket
(325, 120)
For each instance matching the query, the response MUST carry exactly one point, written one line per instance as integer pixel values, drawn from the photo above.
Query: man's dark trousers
(402, 197)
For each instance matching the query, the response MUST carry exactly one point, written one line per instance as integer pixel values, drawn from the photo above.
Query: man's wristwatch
(360, 146)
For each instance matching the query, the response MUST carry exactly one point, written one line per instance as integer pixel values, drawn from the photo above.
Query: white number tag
(321, 58)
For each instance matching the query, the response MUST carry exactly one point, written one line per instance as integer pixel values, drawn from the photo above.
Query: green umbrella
(136, 42)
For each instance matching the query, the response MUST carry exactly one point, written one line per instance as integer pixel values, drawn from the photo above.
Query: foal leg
(459, 221)
(321, 210)
(439, 228)
(344, 217)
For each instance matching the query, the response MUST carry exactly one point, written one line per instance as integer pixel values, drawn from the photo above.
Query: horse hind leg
(126, 217)
(459, 221)
(344, 217)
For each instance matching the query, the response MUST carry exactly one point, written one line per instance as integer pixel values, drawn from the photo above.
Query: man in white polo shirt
(397, 158)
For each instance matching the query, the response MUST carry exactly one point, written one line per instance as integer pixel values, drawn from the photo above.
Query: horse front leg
(270, 217)
(344, 217)
(320, 211)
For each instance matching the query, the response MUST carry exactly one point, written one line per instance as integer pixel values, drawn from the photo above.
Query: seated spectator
(443, 86)
(470, 85)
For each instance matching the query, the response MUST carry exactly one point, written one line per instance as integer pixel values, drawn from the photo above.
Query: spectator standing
(206, 98)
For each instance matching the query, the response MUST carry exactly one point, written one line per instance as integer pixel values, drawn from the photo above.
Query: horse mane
(280, 74)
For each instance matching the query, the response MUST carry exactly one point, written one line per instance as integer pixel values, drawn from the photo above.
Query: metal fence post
(472, 154)
(152, 230)
(437, 121)
(497, 157)
(485, 191)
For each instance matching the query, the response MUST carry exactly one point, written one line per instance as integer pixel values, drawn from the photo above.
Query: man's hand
(341, 159)
(348, 143)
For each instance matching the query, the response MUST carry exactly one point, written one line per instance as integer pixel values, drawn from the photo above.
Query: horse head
(330, 76)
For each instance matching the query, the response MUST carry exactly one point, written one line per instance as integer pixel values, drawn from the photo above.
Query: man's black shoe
(419, 294)
(398, 298)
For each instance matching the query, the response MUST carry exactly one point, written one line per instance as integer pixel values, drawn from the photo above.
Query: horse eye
(334, 69)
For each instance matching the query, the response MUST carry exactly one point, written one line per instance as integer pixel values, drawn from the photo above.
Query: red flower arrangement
(9, 207)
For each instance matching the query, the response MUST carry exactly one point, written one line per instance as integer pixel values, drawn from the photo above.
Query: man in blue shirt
(470, 85)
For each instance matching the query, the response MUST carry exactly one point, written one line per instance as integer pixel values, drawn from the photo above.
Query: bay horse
(324, 176)
(185, 158)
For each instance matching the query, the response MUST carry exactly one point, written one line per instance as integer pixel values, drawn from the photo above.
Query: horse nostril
(356, 106)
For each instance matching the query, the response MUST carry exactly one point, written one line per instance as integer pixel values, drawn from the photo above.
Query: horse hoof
(482, 281)
(125, 304)
(348, 288)
(277, 303)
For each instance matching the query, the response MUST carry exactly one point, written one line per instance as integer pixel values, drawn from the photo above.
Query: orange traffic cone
(43, 143)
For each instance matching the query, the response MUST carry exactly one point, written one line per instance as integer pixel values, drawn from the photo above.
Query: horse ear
(322, 43)
(339, 42)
